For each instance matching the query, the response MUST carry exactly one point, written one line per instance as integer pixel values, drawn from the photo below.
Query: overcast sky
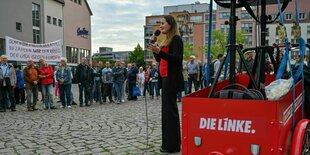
(119, 23)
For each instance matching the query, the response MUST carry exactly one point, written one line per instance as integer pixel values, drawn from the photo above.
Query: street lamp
(185, 26)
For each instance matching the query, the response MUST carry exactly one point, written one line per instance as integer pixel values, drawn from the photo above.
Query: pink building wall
(75, 16)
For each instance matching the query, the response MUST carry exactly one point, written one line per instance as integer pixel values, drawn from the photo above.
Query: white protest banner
(17, 50)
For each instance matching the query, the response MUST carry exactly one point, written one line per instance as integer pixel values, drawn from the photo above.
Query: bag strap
(237, 84)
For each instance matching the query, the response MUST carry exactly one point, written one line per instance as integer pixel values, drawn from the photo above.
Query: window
(182, 17)
(224, 15)
(288, 16)
(196, 18)
(246, 28)
(49, 19)
(75, 1)
(246, 16)
(213, 17)
(248, 40)
(222, 27)
(227, 28)
(71, 54)
(302, 16)
(191, 40)
(213, 26)
(148, 31)
(2, 46)
(59, 22)
(308, 29)
(154, 21)
(36, 36)
(267, 31)
(36, 23)
(85, 53)
(273, 16)
(308, 41)
(18, 26)
(79, 2)
(267, 42)
(54, 21)
(35, 15)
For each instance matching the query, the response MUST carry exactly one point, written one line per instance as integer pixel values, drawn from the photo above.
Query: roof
(60, 1)
(91, 13)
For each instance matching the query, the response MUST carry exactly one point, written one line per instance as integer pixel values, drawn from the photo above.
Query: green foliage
(188, 50)
(219, 42)
(104, 60)
(137, 56)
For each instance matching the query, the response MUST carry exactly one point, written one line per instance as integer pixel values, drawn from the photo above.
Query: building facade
(53, 27)
(193, 22)
(289, 17)
(22, 20)
(77, 30)
(108, 54)
(43, 21)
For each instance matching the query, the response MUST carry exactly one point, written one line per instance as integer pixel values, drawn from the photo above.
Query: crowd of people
(96, 82)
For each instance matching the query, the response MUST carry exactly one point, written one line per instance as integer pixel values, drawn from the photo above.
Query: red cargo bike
(225, 124)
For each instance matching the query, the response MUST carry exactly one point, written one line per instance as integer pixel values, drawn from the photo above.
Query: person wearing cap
(19, 91)
(249, 60)
(7, 83)
(193, 70)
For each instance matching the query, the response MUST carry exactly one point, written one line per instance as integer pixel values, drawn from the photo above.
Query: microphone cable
(146, 112)
(147, 124)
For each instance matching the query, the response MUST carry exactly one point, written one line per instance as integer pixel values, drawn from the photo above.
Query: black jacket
(175, 59)
(81, 78)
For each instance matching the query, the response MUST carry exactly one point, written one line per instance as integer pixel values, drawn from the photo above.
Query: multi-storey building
(246, 24)
(44, 21)
(193, 21)
(77, 30)
(28, 21)
(108, 54)
(289, 16)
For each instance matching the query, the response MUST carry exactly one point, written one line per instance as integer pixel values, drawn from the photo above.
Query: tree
(104, 60)
(137, 56)
(188, 50)
(219, 41)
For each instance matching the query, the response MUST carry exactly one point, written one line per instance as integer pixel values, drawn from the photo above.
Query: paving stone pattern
(107, 129)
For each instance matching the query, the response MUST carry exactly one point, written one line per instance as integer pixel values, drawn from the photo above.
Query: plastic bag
(278, 88)
(136, 91)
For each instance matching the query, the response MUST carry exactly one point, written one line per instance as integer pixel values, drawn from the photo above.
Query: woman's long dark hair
(172, 32)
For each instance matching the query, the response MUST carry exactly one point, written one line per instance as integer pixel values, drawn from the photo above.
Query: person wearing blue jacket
(63, 76)
(19, 91)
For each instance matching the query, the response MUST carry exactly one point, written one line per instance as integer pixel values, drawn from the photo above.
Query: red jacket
(48, 72)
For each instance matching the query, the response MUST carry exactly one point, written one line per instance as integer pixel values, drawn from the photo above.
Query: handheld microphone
(154, 37)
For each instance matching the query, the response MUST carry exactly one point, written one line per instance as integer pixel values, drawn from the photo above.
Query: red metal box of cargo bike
(213, 126)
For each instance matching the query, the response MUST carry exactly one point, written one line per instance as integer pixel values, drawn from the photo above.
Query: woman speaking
(169, 54)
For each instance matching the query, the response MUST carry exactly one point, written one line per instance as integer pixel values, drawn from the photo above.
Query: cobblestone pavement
(109, 129)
